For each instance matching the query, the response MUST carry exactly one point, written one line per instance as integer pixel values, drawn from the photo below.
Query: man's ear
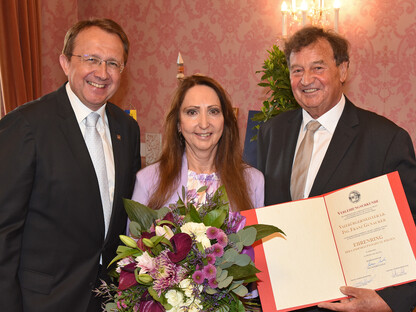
(63, 60)
(343, 71)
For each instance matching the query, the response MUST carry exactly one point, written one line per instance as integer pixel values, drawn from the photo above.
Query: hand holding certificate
(361, 236)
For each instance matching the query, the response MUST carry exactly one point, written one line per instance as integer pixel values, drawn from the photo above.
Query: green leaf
(139, 213)
(247, 235)
(215, 217)
(194, 215)
(240, 291)
(224, 283)
(242, 260)
(135, 229)
(111, 307)
(264, 230)
(238, 272)
(275, 77)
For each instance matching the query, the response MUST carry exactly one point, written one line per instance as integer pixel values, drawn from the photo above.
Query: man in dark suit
(55, 242)
(351, 145)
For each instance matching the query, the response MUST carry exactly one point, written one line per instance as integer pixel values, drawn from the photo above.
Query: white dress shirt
(321, 139)
(81, 111)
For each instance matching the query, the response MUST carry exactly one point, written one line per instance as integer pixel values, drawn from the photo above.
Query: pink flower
(210, 258)
(146, 263)
(182, 244)
(198, 277)
(166, 273)
(213, 283)
(222, 239)
(217, 250)
(212, 232)
(210, 271)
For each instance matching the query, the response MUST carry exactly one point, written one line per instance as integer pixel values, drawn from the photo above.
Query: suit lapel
(345, 132)
(72, 133)
(289, 142)
(76, 143)
(117, 143)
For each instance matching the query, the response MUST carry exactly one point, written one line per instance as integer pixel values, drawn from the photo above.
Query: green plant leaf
(275, 78)
(240, 291)
(143, 215)
(238, 272)
(264, 230)
(224, 283)
(247, 235)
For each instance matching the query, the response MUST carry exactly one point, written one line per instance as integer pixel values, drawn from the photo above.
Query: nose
(101, 71)
(307, 78)
(203, 120)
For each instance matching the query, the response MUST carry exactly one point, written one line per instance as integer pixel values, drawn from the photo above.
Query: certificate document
(361, 236)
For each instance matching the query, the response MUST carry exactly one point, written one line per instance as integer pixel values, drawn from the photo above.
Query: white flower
(193, 305)
(174, 298)
(198, 230)
(186, 286)
(164, 231)
(145, 262)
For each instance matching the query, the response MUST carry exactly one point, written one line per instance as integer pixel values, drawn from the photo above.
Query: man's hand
(361, 300)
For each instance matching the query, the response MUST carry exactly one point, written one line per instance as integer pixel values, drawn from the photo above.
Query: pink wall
(228, 41)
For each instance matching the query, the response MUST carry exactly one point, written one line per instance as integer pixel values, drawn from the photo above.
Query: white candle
(293, 5)
(336, 15)
(304, 8)
(284, 10)
(321, 4)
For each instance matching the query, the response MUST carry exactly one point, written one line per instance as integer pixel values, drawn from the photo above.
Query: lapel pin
(118, 137)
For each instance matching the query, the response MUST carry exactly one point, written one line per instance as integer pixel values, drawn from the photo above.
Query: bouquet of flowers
(181, 258)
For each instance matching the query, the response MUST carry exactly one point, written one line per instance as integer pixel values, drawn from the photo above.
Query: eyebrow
(319, 62)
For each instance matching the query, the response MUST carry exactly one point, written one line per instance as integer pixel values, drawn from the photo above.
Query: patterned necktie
(302, 161)
(95, 147)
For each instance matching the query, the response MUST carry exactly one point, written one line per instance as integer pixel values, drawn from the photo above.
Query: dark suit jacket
(364, 145)
(51, 219)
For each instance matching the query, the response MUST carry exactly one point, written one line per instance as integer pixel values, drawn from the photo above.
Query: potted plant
(279, 92)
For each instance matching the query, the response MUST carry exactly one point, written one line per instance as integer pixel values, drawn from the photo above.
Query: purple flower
(198, 277)
(217, 250)
(222, 239)
(182, 244)
(210, 258)
(213, 283)
(212, 232)
(236, 221)
(210, 271)
(166, 273)
(127, 278)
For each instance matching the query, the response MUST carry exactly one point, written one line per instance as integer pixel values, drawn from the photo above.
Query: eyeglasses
(95, 62)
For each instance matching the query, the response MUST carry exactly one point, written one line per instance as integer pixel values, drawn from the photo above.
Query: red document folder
(363, 235)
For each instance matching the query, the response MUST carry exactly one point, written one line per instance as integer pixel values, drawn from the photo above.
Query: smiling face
(93, 86)
(201, 120)
(315, 79)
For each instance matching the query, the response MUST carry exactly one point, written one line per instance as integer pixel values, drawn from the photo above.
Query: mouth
(96, 85)
(203, 135)
(311, 90)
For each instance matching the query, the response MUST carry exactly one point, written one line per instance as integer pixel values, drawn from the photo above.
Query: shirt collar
(330, 119)
(81, 111)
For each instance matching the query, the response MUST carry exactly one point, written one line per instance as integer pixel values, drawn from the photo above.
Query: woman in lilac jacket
(201, 147)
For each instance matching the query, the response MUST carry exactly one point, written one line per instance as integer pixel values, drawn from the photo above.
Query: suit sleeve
(17, 167)
(262, 148)
(401, 157)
